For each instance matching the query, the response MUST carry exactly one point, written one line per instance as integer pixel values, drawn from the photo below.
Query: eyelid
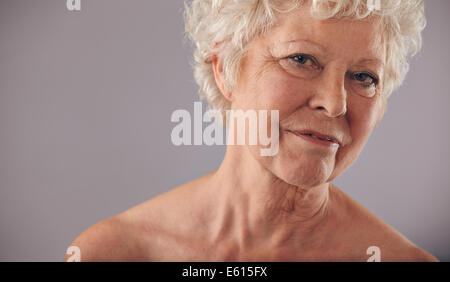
(312, 58)
(373, 76)
(318, 66)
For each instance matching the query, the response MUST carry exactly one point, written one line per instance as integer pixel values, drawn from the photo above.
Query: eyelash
(308, 57)
(374, 78)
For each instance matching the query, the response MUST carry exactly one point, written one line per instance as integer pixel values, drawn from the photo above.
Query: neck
(254, 206)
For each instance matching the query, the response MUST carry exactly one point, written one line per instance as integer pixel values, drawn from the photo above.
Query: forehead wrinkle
(308, 42)
(374, 41)
(294, 30)
(378, 63)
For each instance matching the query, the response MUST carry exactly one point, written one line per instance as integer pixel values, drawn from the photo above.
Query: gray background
(85, 105)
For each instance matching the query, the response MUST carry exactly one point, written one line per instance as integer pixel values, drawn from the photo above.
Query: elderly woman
(328, 67)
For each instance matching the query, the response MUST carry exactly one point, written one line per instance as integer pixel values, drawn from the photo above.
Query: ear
(220, 77)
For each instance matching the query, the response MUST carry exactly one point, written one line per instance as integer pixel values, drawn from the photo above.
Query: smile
(316, 138)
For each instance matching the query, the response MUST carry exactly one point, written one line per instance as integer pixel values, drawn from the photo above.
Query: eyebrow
(323, 50)
(309, 42)
(372, 60)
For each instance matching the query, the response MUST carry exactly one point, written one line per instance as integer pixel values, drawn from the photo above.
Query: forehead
(355, 39)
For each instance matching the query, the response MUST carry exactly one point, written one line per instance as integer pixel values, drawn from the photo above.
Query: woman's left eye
(367, 79)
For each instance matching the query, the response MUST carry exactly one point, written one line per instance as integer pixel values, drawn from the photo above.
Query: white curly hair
(238, 22)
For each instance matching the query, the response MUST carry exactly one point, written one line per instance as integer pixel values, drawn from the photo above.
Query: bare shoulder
(367, 233)
(145, 232)
(112, 239)
(173, 222)
(172, 204)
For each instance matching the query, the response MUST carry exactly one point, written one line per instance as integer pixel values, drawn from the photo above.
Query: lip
(316, 137)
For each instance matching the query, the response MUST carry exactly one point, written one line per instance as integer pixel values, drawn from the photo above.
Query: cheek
(278, 91)
(362, 116)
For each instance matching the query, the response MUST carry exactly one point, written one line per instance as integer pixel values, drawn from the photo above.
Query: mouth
(316, 137)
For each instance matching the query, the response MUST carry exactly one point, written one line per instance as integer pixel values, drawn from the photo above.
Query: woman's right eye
(301, 65)
(303, 60)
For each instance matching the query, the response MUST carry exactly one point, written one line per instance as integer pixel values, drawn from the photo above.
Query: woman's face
(322, 76)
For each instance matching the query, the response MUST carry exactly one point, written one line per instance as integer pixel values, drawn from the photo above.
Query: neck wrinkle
(254, 206)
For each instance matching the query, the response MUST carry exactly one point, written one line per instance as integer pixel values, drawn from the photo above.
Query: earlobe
(219, 77)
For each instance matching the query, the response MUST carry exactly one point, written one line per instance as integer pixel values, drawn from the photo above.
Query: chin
(304, 177)
(302, 173)
(302, 170)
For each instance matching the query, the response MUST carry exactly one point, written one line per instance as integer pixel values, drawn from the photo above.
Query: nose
(330, 96)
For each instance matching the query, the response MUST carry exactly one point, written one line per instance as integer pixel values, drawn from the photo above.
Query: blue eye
(304, 60)
(301, 59)
(367, 79)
